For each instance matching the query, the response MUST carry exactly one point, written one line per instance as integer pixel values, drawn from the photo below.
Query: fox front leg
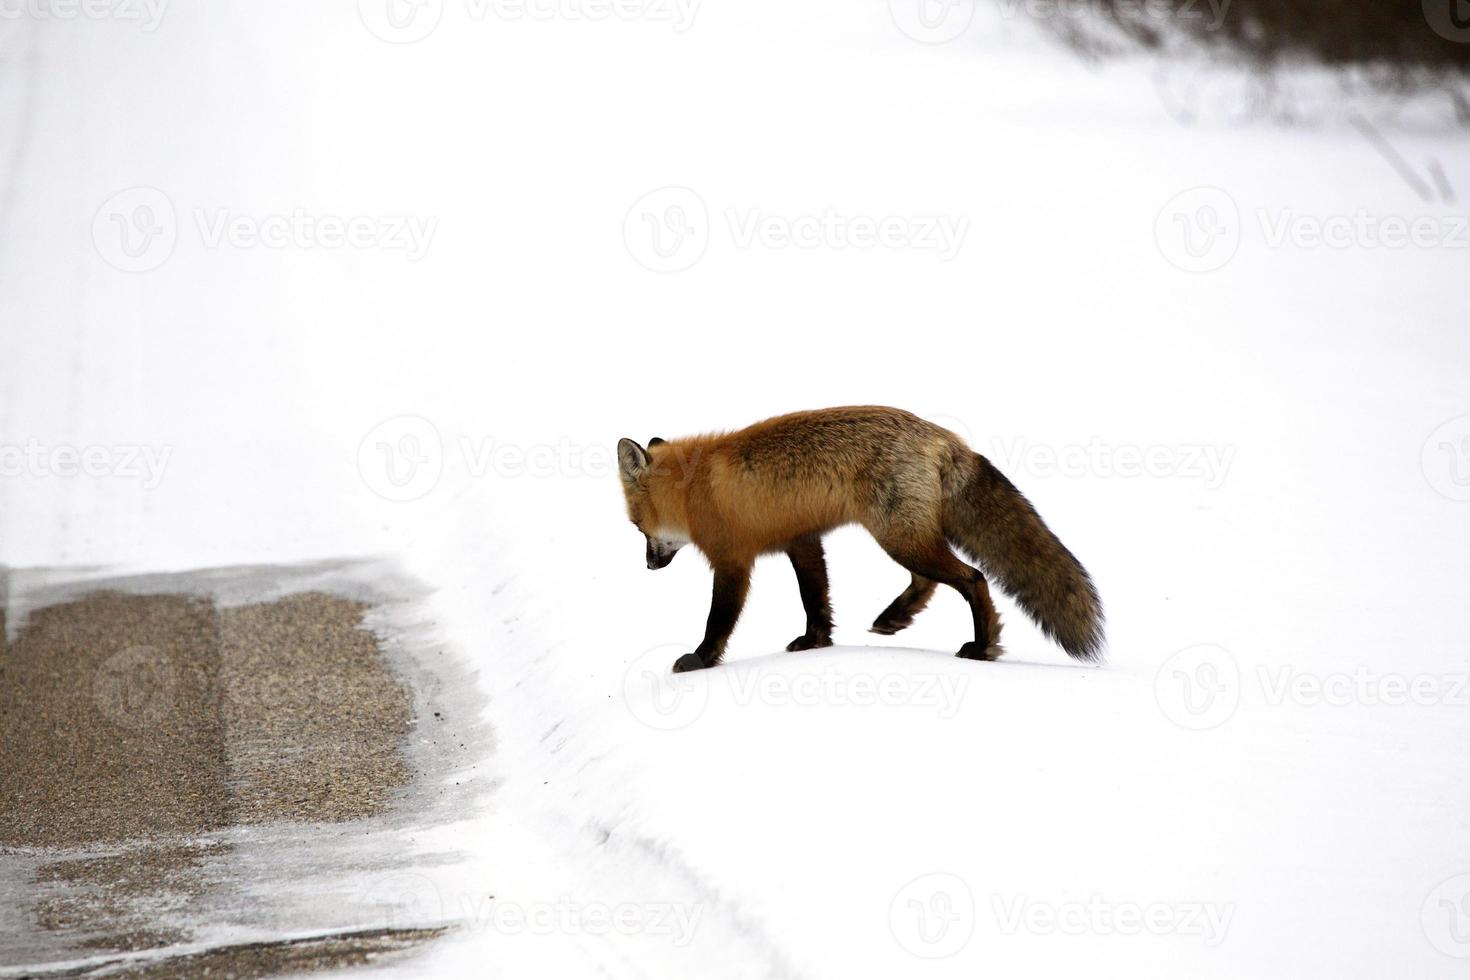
(810, 566)
(731, 583)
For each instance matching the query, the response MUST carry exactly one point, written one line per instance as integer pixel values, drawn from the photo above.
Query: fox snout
(660, 553)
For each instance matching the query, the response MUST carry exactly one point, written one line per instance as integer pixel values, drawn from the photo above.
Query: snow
(1257, 461)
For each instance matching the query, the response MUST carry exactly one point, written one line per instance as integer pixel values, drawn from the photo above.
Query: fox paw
(690, 661)
(809, 641)
(885, 626)
(973, 651)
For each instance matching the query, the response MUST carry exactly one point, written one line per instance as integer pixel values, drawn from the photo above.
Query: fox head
(662, 535)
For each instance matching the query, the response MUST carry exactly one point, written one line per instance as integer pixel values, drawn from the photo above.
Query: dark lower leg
(731, 583)
(811, 579)
(901, 611)
(986, 645)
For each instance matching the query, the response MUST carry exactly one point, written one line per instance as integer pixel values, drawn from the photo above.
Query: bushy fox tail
(989, 519)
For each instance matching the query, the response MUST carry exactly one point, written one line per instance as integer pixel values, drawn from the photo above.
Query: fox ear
(655, 441)
(632, 460)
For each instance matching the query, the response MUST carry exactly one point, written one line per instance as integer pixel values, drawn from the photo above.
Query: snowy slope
(1255, 446)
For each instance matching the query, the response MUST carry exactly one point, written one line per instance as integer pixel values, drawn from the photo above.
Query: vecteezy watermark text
(403, 458)
(1283, 683)
(935, 916)
(34, 458)
(674, 921)
(137, 230)
(1205, 463)
(1206, 921)
(666, 701)
(148, 14)
(1202, 230)
(669, 230)
(940, 233)
(1200, 687)
(409, 21)
(409, 233)
(406, 899)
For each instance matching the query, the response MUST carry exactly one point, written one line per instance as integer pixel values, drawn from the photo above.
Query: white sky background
(1303, 405)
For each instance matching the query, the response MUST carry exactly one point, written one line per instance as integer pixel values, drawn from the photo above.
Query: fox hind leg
(931, 558)
(810, 565)
(986, 645)
(910, 602)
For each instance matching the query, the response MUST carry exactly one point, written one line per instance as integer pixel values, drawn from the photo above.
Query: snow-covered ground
(278, 288)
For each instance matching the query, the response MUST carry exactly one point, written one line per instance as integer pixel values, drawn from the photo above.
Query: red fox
(781, 484)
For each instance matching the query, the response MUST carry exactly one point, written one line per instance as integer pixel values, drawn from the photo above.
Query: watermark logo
(660, 698)
(136, 687)
(1445, 917)
(400, 21)
(402, 900)
(955, 424)
(933, 916)
(1450, 19)
(1198, 687)
(1184, 93)
(1202, 229)
(402, 458)
(1202, 686)
(1199, 230)
(667, 230)
(1445, 459)
(932, 21)
(135, 230)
